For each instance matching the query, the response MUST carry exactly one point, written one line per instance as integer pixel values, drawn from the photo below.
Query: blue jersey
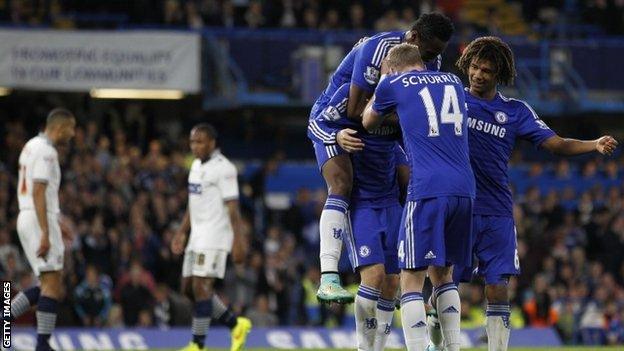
(432, 112)
(374, 168)
(362, 66)
(493, 128)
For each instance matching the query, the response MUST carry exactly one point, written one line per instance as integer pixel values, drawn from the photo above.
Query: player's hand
(346, 139)
(239, 249)
(67, 230)
(606, 145)
(177, 243)
(44, 246)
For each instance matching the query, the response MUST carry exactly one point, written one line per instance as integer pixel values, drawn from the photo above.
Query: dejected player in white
(213, 218)
(38, 223)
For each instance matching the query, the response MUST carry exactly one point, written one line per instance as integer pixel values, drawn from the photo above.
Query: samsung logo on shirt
(194, 188)
(429, 79)
(385, 131)
(486, 127)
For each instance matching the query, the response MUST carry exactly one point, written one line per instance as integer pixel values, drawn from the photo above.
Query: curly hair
(494, 50)
(434, 25)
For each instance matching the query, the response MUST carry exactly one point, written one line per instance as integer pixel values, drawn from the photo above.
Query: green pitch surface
(591, 348)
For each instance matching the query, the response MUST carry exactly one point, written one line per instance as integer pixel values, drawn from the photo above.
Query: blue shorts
(373, 235)
(496, 249)
(436, 232)
(325, 152)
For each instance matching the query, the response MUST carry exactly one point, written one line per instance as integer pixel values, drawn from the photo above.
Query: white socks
(385, 311)
(332, 225)
(414, 321)
(449, 314)
(497, 326)
(366, 317)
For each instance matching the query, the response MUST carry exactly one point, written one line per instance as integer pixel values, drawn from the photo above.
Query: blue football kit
(493, 127)
(437, 219)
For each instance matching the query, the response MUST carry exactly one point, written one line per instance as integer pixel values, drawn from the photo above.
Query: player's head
(431, 32)
(404, 57)
(487, 61)
(60, 125)
(203, 140)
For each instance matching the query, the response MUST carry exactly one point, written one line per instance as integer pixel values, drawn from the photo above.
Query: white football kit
(210, 185)
(38, 162)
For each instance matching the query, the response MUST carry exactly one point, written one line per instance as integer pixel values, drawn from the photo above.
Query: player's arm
(379, 106)
(42, 171)
(239, 249)
(179, 239)
(228, 184)
(358, 99)
(569, 147)
(371, 119)
(364, 78)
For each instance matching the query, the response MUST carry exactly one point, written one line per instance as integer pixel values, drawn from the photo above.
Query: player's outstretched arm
(240, 246)
(570, 147)
(41, 209)
(371, 119)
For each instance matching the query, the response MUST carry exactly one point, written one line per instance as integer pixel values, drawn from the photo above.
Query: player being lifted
(38, 223)
(435, 231)
(495, 122)
(361, 69)
(213, 218)
(375, 215)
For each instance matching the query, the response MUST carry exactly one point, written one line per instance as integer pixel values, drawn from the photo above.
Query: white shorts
(204, 263)
(29, 233)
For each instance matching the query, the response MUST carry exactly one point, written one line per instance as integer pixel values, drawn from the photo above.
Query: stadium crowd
(308, 14)
(123, 204)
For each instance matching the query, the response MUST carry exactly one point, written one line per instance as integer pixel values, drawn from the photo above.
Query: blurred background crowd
(492, 16)
(124, 177)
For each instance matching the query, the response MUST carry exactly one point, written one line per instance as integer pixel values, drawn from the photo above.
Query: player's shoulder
(223, 163)
(379, 43)
(41, 146)
(518, 107)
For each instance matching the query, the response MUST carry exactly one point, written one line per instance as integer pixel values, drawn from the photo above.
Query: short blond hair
(404, 55)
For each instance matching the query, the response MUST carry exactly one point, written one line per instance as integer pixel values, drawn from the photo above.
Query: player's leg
(366, 302)
(457, 250)
(336, 168)
(205, 267)
(385, 310)
(448, 305)
(366, 252)
(390, 286)
(496, 250)
(47, 306)
(497, 313)
(413, 315)
(239, 326)
(415, 241)
(24, 300)
(49, 270)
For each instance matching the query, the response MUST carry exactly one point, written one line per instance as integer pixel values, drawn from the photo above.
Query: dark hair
(494, 50)
(57, 115)
(208, 129)
(434, 25)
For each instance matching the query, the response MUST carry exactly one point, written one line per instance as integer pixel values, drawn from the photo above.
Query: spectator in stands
(92, 299)
(135, 295)
(260, 314)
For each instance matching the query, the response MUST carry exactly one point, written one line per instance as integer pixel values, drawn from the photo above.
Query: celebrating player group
(416, 169)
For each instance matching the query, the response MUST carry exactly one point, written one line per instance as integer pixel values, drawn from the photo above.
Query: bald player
(38, 223)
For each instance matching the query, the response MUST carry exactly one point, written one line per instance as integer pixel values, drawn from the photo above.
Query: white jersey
(38, 162)
(210, 184)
